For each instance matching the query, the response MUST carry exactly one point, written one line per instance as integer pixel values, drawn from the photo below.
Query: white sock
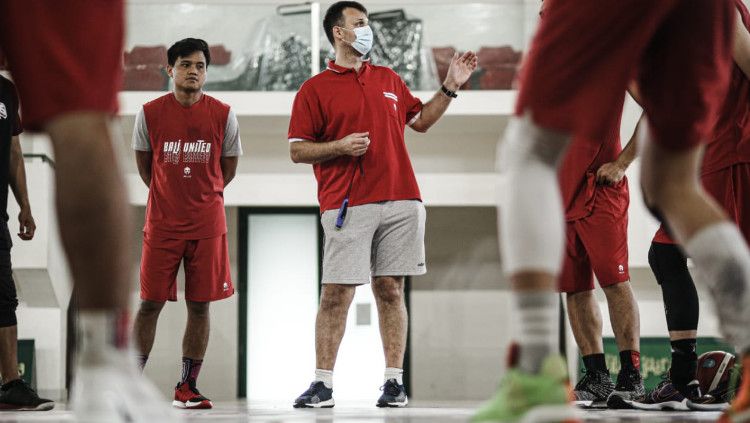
(394, 373)
(722, 260)
(530, 212)
(100, 332)
(325, 376)
(538, 327)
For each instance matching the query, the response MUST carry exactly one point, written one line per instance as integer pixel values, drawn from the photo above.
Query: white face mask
(363, 42)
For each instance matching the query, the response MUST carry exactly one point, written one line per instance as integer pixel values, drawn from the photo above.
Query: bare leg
(331, 323)
(92, 209)
(195, 340)
(624, 316)
(95, 226)
(9, 353)
(389, 296)
(671, 185)
(144, 327)
(585, 321)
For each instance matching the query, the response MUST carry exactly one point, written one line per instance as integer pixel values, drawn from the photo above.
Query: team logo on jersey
(3, 111)
(171, 150)
(187, 152)
(226, 286)
(621, 269)
(186, 172)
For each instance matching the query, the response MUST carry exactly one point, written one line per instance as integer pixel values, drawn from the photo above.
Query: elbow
(421, 128)
(295, 155)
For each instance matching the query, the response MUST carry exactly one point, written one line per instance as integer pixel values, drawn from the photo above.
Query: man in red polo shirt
(66, 59)
(187, 146)
(348, 122)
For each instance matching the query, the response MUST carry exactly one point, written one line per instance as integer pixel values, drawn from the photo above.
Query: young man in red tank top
(187, 146)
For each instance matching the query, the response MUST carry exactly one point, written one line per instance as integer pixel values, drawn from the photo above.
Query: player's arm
(229, 168)
(143, 161)
(231, 148)
(612, 173)
(20, 192)
(306, 144)
(142, 145)
(741, 51)
(459, 72)
(312, 152)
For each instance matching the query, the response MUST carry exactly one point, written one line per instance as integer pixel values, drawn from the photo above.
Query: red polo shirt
(338, 102)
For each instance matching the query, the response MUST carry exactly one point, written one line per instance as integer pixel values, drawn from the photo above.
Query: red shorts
(729, 187)
(598, 244)
(207, 274)
(65, 56)
(586, 52)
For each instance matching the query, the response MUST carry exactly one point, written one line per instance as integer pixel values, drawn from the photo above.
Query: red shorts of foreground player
(65, 56)
(729, 187)
(587, 51)
(207, 274)
(598, 244)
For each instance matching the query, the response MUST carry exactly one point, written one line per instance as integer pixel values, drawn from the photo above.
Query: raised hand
(460, 70)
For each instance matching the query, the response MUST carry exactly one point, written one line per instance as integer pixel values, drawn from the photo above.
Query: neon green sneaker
(524, 397)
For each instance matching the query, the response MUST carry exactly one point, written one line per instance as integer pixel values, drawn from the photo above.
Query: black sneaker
(666, 396)
(629, 389)
(697, 401)
(593, 389)
(316, 396)
(17, 395)
(394, 395)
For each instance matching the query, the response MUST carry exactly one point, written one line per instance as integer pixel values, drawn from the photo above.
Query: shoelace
(391, 388)
(194, 390)
(596, 382)
(626, 380)
(311, 390)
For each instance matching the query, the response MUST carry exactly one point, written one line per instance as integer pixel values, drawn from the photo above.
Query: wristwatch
(449, 93)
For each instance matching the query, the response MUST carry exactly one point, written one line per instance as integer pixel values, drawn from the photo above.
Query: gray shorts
(380, 239)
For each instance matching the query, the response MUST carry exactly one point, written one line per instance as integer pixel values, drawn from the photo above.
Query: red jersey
(186, 195)
(340, 101)
(730, 142)
(578, 171)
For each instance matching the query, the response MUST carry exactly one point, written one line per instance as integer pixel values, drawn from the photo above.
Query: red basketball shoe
(186, 395)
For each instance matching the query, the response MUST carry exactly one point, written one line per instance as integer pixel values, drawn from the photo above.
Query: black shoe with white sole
(394, 395)
(628, 389)
(17, 395)
(593, 389)
(316, 396)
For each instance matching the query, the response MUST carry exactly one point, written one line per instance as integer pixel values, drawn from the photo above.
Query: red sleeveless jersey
(186, 196)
